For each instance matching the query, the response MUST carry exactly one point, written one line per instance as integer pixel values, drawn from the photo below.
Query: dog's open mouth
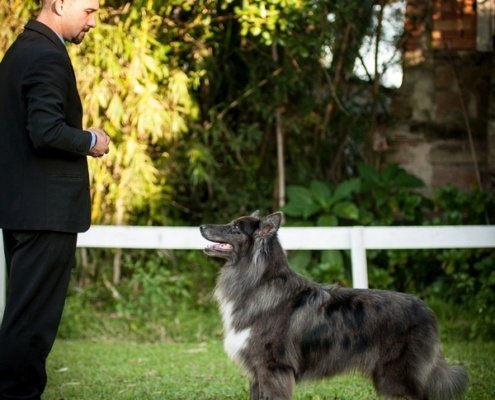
(217, 247)
(220, 247)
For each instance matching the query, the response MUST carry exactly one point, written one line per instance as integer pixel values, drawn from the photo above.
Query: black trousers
(39, 266)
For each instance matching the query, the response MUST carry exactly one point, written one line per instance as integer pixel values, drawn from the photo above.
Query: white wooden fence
(357, 239)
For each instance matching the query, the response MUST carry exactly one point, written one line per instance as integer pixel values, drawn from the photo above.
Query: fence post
(3, 277)
(358, 258)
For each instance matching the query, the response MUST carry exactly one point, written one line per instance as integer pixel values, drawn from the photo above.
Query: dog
(281, 328)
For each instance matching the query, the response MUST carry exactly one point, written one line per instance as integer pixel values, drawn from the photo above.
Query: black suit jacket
(44, 182)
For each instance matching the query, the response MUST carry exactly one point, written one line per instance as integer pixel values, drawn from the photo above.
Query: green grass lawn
(101, 370)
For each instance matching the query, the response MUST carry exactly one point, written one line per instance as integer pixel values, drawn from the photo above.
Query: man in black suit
(44, 187)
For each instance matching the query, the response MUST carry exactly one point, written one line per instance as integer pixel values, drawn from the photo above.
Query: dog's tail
(446, 382)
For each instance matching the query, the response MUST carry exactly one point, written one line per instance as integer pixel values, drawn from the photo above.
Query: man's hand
(102, 143)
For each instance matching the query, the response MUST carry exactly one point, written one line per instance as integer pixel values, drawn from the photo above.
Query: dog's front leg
(254, 390)
(273, 384)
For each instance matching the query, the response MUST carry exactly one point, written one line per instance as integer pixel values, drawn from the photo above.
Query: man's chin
(79, 38)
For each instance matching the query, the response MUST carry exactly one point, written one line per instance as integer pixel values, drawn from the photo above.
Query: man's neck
(52, 22)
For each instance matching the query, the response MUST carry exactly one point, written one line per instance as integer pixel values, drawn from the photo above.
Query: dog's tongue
(221, 246)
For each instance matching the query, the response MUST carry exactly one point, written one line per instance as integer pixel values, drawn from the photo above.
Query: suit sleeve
(50, 92)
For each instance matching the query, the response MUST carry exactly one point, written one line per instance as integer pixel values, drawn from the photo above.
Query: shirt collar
(60, 37)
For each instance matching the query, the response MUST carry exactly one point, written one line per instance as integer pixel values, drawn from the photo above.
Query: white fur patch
(234, 341)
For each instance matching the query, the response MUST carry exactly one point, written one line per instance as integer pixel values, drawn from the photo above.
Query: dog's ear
(256, 214)
(269, 225)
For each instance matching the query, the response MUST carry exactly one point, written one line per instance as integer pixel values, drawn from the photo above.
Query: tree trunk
(279, 133)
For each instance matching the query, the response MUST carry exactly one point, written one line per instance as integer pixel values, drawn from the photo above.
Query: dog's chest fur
(234, 340)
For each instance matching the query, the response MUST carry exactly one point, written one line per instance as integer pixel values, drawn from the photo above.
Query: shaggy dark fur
(282, 328)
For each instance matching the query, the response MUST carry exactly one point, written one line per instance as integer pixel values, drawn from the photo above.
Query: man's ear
(269, 225)
(57, 7)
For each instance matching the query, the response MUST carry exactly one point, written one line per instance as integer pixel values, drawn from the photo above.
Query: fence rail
(357, 239)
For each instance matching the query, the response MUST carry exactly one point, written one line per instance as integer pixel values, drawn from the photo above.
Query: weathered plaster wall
(447, 98)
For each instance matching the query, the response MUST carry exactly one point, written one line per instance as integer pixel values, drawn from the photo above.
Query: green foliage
(132, 90)
(385, 197)
(13, 15)
(275, 20)
(320, 199)
(455, 207)
(388, 197)
(162, 295)
(374, 197)
(188, 91)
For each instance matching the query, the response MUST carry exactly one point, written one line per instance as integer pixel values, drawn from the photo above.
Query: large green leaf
(298, 194)
(346, 189)
(300, 259)
(321, 193)
(327, 220)
(346, 209)
(403, 179)
(369, 175)
(332, 258)
(301, 203)
(332, 264)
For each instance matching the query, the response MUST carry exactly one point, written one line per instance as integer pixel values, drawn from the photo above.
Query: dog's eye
(236, 230)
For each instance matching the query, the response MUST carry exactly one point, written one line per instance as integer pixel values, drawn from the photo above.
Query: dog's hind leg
(393, 380)
(273, 384)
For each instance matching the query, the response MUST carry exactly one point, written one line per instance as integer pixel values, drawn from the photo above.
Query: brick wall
(446, 97)
(454, 25)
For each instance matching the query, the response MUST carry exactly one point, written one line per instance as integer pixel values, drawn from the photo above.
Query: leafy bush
(389, 196)
(385, 197)
(163, 295)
